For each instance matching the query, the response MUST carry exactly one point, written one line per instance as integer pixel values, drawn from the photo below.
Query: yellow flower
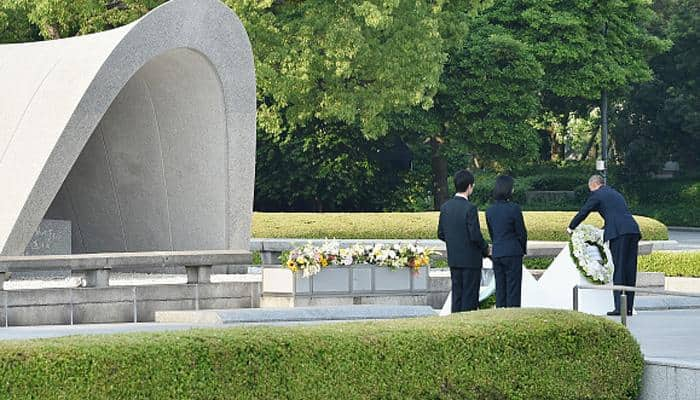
(301, 260)
(324, 262)
(290, 264)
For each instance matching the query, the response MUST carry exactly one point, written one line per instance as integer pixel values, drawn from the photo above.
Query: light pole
(602, 165)
(604, 135)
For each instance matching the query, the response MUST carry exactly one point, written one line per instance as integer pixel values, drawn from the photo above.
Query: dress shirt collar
(464, 196)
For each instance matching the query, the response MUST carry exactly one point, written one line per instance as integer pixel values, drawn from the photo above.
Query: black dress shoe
(614, 313)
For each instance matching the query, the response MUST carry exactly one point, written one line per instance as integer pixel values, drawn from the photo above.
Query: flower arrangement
(591, 255)
(310, 259)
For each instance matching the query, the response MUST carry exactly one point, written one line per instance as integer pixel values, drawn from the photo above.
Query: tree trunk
(52, 30)
(439, 164)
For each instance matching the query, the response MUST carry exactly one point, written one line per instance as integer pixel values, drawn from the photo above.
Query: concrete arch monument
(142, 136)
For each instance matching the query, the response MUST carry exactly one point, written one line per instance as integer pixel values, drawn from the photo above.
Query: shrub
(671, 263)
(540, 225)
(538, 263)
(490, 354)
(674, 202)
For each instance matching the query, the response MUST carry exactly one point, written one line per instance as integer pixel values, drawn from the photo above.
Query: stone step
(649, 303)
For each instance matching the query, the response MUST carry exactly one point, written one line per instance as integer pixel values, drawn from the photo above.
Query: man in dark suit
(466, 247)
(620, 229)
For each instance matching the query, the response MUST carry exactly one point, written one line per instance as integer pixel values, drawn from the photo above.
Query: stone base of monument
(355, 284)
(301, 314)
(555, 289)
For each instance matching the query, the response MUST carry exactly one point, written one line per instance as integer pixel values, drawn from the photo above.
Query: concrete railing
(97, 267)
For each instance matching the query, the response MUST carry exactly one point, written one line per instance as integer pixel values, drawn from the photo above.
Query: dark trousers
(466, 283)
(624, 251)
(508, 272)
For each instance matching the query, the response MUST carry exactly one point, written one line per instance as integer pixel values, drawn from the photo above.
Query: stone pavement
(687, 238)
(670, 335)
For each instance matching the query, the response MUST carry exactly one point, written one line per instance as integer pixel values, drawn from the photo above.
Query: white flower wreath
(591, 255)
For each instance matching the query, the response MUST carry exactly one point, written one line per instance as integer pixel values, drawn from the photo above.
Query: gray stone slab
(688, 238)
(666, 303)
(670, 335)
(386, 279)
(332, 280)
(51, 237)
(131, 259)
(651, 280)
(309, 314)
(147, 130)
(420, 279)
(302, 285)
(361, 279)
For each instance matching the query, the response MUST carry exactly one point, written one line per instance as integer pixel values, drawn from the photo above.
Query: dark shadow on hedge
(491, 354)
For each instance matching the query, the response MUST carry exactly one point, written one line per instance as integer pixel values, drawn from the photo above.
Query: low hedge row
(671, 263)
(676, 202)
(423, 225)
(490, 354)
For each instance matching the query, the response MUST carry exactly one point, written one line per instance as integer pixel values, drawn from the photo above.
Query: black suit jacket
(459, 229)
(507, 229)
(612, 207)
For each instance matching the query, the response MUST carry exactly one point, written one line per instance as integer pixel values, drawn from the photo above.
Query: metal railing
(623, 295)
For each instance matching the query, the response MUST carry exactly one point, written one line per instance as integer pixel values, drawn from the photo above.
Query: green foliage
(671, 263)
(675, 202)
(661, 118)
(54, 19)
(323, 168)
(487, 94)
(256, 258)
(422, 225)
(584, 46)
(544, 353)
(14, 22)
(537, 263)
(345, 62)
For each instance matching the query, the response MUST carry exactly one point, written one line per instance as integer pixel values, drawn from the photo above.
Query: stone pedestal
(354, 284)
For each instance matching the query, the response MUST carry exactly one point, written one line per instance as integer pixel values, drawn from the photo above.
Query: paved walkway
(669, 336)
(687, 238)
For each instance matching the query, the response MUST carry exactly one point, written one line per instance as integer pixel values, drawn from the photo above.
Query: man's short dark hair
(503, 189)
(463, 179)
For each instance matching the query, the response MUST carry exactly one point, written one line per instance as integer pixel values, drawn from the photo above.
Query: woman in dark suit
(509, 237)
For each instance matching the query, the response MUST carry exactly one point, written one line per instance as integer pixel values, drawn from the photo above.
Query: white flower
(594, 260)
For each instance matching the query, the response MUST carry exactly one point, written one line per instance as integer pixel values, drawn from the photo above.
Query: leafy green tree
(488, 94)
(325, 167)
(585, 47)
(661, 119)
(29, 20)
(15, 26)
(352, 62)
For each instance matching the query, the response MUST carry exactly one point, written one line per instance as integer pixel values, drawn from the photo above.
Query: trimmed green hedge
(671, 263)
(490, 354)
(545, 225)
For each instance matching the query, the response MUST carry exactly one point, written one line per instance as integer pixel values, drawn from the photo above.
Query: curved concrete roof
(142, 136)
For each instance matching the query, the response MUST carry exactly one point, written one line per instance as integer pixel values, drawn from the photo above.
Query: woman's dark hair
(503, 189)
(463, 179)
